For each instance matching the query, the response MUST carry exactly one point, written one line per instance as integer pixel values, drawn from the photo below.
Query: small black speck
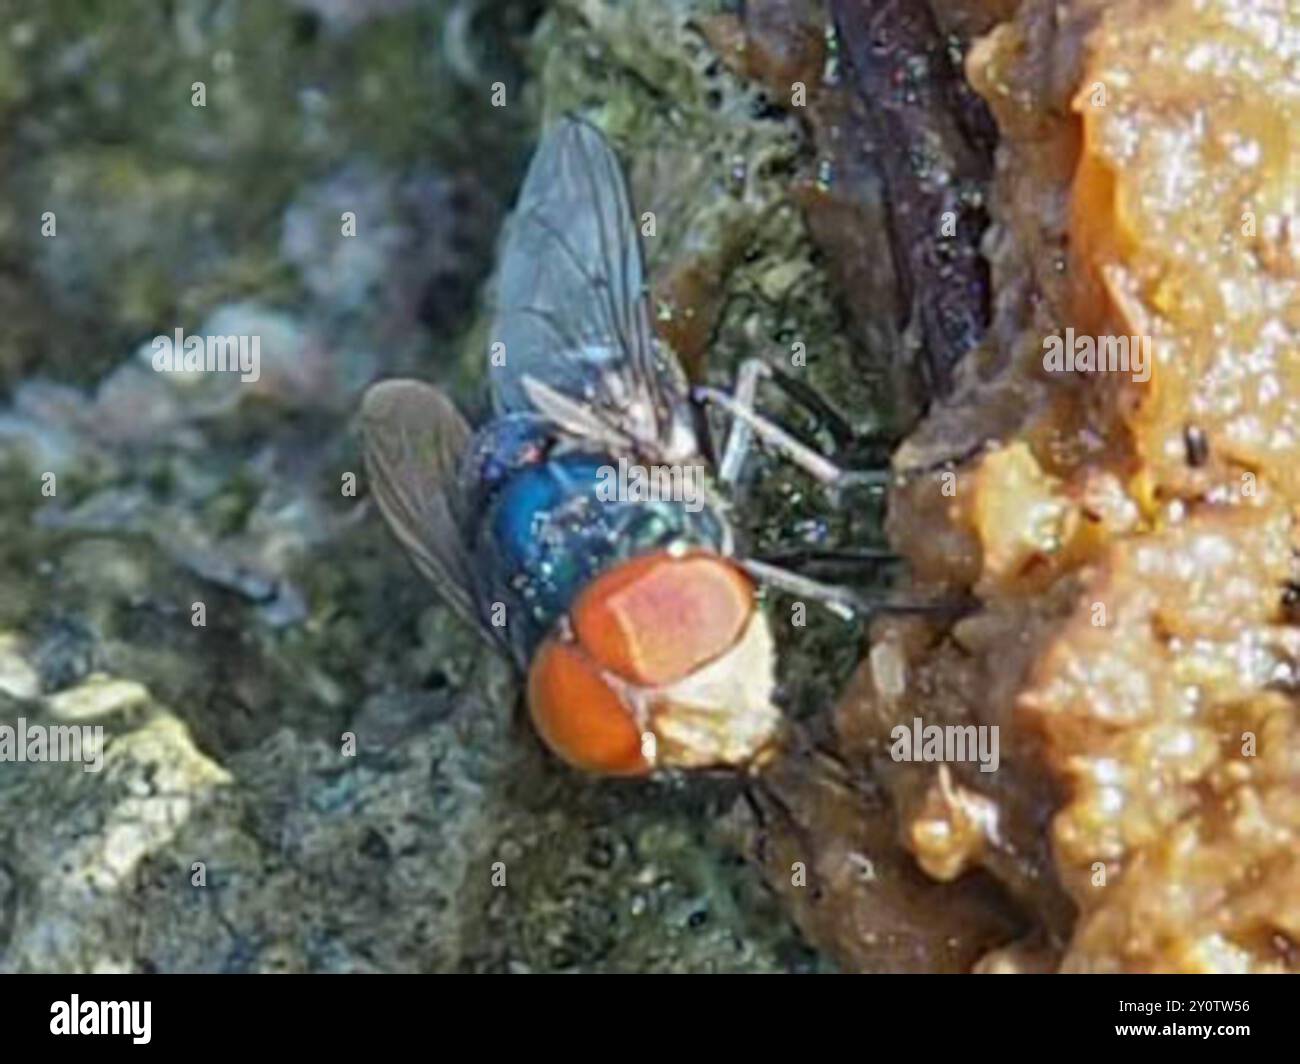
(1198, 447)
(375, 846)
(306, 27)
(1291, 603)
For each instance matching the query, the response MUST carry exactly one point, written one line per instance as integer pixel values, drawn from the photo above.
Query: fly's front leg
(846, 602)
(830, 560)
(748, 425)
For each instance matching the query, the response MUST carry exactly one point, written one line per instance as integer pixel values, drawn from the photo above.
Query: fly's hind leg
(774, 571)
(747, 425)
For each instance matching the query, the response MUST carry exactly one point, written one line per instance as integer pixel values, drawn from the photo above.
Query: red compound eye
(650, 621)
(658, 618)
(579, 716)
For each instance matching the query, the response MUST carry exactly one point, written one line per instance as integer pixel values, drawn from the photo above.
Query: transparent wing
(571, 302)
(414, 438)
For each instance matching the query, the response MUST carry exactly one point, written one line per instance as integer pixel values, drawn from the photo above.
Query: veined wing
(414, 438)
(572, 310)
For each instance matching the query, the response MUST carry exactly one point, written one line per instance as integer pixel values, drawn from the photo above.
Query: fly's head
(664, 662)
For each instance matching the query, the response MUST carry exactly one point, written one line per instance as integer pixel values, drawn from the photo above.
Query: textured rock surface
(224, 743)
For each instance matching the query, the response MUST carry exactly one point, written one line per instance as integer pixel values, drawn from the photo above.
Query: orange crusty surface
(1131, 542)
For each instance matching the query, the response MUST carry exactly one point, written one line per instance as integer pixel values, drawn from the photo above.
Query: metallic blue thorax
(541, 531)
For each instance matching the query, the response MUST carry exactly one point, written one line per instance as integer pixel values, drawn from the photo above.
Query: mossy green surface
(227, 743)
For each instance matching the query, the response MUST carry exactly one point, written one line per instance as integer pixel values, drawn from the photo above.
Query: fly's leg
(846, 602)
(754, 370)
(829, 560)
(812, 400)
(748, 424)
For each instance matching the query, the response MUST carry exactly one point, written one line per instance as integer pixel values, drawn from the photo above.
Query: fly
(632, 613)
